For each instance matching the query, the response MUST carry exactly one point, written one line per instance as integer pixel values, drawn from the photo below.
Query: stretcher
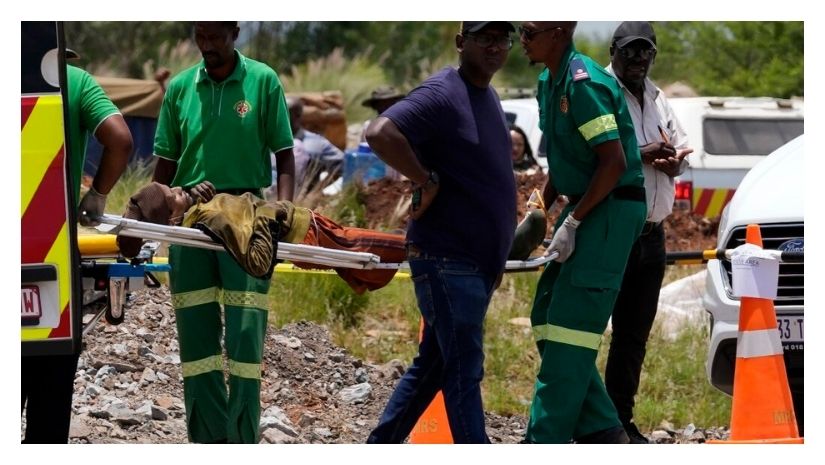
(286, 251)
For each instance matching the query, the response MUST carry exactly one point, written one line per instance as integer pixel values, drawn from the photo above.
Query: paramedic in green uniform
(218, 122)
(594, 160)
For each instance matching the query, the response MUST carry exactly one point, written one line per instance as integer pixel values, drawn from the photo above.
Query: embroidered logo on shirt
(563, 104)
(242, 108)
(578, 70)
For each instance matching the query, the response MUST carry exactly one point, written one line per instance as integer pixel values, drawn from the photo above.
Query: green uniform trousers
(573, 303)
(202, 280)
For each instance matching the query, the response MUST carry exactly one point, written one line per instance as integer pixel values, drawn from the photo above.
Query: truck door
(49, 277)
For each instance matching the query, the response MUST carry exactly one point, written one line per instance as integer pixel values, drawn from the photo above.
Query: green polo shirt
(88, 108)
(579, 109)
(224, 131)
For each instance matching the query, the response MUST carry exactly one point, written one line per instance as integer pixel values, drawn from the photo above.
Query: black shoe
(614, 435)
(634, 435)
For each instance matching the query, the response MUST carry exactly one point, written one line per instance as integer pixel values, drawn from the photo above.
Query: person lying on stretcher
(250, 228)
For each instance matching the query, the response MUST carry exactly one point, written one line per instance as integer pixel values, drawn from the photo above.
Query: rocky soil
(128, 387)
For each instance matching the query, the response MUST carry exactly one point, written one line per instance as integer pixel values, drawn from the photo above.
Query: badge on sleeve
(563, 104)
(578, 70)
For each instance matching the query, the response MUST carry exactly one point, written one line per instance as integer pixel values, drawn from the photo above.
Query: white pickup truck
(772, 196)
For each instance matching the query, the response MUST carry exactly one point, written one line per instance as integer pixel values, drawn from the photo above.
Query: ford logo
(793, 245)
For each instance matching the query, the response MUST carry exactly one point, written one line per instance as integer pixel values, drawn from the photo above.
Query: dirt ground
(685, 231)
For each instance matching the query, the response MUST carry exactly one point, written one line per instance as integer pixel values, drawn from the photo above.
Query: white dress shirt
(657, 113)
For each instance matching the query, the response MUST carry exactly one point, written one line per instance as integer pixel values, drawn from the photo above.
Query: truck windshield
(727, 136)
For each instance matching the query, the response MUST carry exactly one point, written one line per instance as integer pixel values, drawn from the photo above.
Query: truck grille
(791, 290)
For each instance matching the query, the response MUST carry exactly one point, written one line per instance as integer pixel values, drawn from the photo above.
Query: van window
(726, 136)
(511, 117)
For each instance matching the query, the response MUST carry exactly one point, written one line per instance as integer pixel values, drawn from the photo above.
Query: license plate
(30, 308)
(790, 328)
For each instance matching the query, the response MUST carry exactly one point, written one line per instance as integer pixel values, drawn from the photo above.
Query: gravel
(129, 389)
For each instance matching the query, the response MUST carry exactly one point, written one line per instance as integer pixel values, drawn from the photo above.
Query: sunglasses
(486, 40)
(643, 53)
(529, 34)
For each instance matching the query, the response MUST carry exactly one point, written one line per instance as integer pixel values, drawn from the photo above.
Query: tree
(748, 58)
(123, 48)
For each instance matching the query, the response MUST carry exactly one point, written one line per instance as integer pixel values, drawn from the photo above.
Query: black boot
(634, 435)
(614, 435)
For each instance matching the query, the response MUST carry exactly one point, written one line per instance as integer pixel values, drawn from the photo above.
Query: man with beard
(450, 138)
(219, 121)
(663, 146)
(593, 159)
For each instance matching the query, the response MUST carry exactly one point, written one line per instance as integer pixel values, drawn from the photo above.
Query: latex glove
(91, 207)
(564, 239)
(203, 191)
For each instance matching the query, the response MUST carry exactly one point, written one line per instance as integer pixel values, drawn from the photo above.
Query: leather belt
(622, 192)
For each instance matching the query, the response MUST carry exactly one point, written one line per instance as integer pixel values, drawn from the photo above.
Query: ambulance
(729, 136)
(61, 273)
(50, 286)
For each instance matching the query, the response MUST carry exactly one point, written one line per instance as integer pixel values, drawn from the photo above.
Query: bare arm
(164, 171)
(393, 148)
(285, 162)
(612, 165)
(116, 139)
(387, 141)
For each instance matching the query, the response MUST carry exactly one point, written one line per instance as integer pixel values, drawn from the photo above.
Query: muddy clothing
(581, 108)
(250, 228)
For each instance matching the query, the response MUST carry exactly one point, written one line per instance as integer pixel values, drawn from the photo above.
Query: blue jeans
(453, 297)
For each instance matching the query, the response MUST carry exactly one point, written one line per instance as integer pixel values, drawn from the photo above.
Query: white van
(729, 136)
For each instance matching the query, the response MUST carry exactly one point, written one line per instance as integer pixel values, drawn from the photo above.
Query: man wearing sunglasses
(449, 137)
(593, 159)
(663, 146)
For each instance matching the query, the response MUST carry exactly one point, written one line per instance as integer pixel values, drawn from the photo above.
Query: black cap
(629, 31)
(71, 54)
(475, 26)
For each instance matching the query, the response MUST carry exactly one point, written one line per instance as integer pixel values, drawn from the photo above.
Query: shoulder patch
(578, 71)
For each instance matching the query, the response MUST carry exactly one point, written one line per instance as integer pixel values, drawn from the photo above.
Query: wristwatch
(432, 180)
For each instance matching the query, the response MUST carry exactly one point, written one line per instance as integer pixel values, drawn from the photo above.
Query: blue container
(363, 165)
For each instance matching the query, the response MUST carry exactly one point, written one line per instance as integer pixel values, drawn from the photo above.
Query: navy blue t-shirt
(460, 131)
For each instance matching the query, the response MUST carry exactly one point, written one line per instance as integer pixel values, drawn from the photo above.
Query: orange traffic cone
(432, 427)
(762, 410)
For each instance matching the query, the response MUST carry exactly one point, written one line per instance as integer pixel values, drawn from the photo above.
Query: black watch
(432, 180)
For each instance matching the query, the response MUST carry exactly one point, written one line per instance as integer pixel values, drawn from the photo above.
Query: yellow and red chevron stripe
(43, 221)
(710, 202)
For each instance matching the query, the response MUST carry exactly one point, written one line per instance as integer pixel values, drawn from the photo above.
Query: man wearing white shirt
(663, 147)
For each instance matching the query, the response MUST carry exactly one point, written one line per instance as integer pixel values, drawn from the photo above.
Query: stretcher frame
(286, 251)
